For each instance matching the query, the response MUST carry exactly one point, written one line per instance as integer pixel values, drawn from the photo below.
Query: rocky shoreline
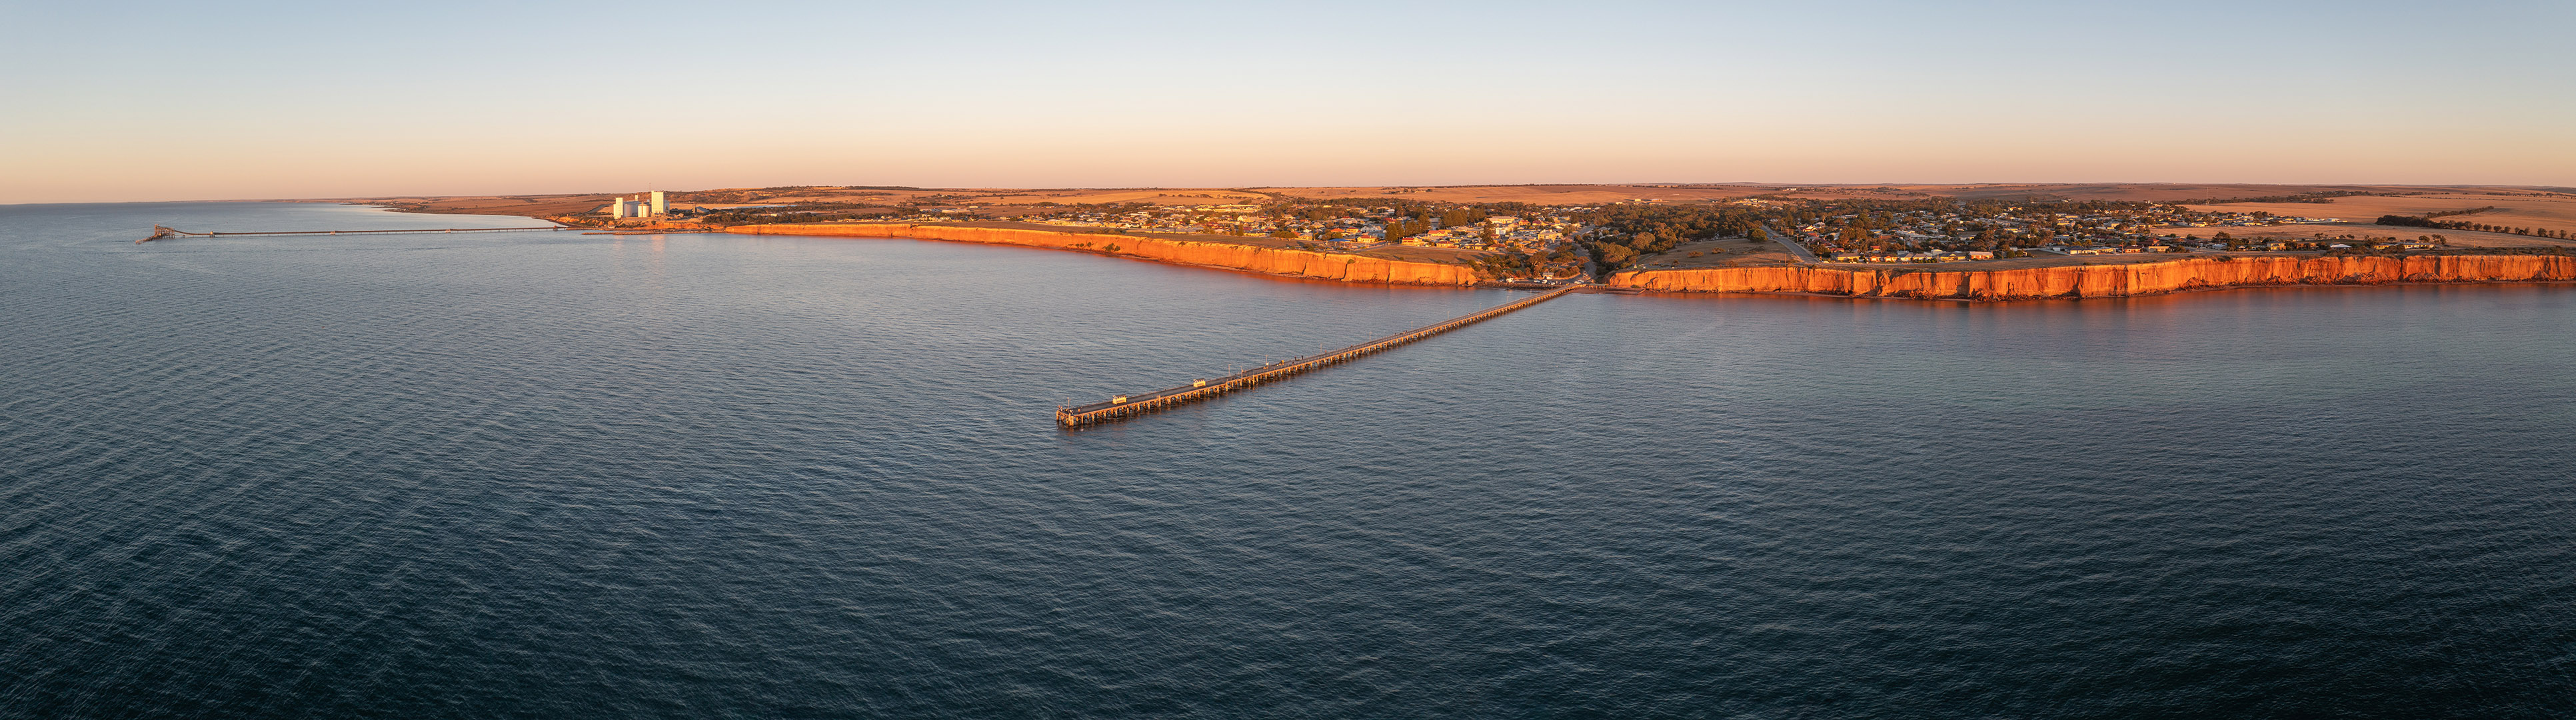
(2121, 280)
(2070, 281)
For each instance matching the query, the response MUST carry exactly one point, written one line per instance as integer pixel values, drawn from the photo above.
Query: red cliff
(2107, 280)
(1253, 258)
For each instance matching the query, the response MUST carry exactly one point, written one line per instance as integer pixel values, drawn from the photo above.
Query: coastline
(2094, 281)
(1288, 262)
(2193, 274)
(2497, 259)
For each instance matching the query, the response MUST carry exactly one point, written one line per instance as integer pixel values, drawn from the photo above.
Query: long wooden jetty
(1139, 403)
(159, 232)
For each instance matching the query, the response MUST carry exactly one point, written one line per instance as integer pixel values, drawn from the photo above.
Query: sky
(130, 101)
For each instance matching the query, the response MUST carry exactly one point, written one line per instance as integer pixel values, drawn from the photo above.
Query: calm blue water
(554, 475)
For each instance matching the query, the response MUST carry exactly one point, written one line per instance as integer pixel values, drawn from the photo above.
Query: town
(1552, 244)
(1987, 231)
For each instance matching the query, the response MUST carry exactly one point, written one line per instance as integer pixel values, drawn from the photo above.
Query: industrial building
(652, 204)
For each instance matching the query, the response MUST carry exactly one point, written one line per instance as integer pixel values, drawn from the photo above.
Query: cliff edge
(1250, 258)
(2082, 281)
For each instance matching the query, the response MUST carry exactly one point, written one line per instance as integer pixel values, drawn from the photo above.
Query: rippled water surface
(557, 475)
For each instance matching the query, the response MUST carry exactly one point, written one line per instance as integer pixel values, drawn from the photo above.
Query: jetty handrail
(1125, 405)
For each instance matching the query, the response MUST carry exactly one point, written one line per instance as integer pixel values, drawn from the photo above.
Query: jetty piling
(1131, 404)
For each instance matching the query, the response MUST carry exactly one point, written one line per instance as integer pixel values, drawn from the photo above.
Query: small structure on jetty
(1138, 403)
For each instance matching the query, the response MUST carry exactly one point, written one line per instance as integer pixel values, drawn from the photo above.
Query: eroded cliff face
(1253, 258)
(2107, 280)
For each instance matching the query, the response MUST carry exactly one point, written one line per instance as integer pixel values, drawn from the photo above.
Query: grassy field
(2553, 212)
(1729, 252)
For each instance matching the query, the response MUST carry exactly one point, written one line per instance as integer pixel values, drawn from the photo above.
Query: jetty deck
(159, 232)
(1139, 403)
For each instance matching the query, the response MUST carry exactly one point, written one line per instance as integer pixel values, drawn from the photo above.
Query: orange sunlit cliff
(1253, 258)
(2146, 278)
(2108, 280)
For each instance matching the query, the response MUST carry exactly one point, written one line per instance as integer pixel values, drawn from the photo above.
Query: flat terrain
(2149, 192)
(2553, 211)
(1535, 194)
(1729, 252)
(2553, 208)
(2308, 231)
(2550, 207)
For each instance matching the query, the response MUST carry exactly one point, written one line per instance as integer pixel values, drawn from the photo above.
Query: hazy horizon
(1677, 183)
(158, 101)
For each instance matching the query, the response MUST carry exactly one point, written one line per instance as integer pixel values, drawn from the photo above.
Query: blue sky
(144, 101)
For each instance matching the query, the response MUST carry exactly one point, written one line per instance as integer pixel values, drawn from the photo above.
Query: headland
(1957, 242)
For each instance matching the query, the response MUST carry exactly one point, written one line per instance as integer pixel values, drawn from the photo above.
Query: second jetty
(159, 232)
(1126, 405)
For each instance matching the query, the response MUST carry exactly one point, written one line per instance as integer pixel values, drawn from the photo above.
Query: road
(1794, 248)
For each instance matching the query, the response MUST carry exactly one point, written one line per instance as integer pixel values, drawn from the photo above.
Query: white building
(652, 204)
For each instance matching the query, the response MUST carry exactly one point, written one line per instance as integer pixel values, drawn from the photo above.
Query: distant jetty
(162, 233)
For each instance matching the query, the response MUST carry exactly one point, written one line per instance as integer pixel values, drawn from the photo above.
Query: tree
(1613, 253)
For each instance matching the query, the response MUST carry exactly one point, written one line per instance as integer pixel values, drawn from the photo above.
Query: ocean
(559, 475)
